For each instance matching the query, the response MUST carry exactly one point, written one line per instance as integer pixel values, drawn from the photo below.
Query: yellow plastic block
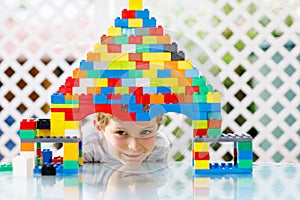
(185, 64)
(100, 82)
(156, 82)
(170, 81)
(72, 124)
(178, 89)
(213, 97)
(100, 48)
(165, 56)
(135, 4)
(80, 161)
(43, 132)
(157, 65)
(71, 151)
(149, 39)
(129, 65)
(135, 23)
(201, 147)
(201, 182)
(151, 73)
(115, 65)
(201, 164)
(114, 31)
(114, 57)
(64, 106)
(200, 124)
(57, 116)
(57, 124)
(57, 132)
(121, 90)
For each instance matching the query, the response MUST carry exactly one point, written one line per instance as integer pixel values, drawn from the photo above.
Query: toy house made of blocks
(133, 65)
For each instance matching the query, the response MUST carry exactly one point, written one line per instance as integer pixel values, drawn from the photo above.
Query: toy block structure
(133, 65)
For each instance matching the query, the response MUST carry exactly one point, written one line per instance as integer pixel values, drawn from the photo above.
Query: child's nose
(133, 143)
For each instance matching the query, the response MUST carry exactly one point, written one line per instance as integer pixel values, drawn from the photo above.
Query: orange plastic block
(90, 56)
(178, 73)
(135, 57)
(185, 81)
(171, 65)
(214, 123)
(157, 99)
(26, 146)
(75, 73)
(82, 74)
(183, 98)
(93, 90)
(166, 39)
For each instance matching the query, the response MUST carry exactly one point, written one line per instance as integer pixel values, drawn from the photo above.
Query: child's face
(130, 142)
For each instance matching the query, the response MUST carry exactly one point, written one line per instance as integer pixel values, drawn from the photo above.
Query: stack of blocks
(135, 65)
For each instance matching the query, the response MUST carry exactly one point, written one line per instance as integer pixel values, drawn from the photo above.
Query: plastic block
(149, 73)
(115, 74)
(159, 31)
(123, 23)
(142, 65)
(47, 156)
(135, 56)
(128, 14)
(135, 23)
(22, 166)
(144, 14)
(114, 31)
(27, 146)
(6, 168)
(135, 4)
(70, 164)
(149, 90)
(213, 97)
(214, 123)
(142, 48)
(201, 164)
(114, 82)
(107, 90)
(100, 48)
(128, 82)
(199, 132)
(122, 90)
(57, 99)
(157, 65)
(129, 48)
(27, 133)
(121, 40)
(248, 164)
(166, 39)
(214, 132)
(144, 116)
(86, 65)
(70, 151)
(107, 39)
(245, 155)
(150, 40)
(171, 47)
(135, 40)
(156, 47)
(114, 57)
(156, 98)
(199, 98)
(149, 22)
(166, 56)
(216, 107)
(142, 31)
(201, 147)
(28, 124)
(43, 132)
(200, 124)
(48, 170)
(172, 107)
(163, 90)
(114, 48)
(178, 56)
(128, 31)
(201, 155)
(214, 115)
(244, 146)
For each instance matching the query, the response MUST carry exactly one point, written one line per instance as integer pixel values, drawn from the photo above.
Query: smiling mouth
(133, 156)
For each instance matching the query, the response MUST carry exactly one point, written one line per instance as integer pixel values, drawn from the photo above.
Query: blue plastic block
(143, 116)
(128, 99)
(100, 99)
(204, 107)
(80, 145)
(164, 73)
(114, 101)
(223, 168)
(123, 23)
(129, 82)
(47, 156)
(157, 48)
(57, 99)
(86, 65)
(135, 108)
(214, 115)
(114, 74)
(128, 31)
(156, 109)
(144, 14)
(149, 22)
(59, 168)
(149, 90)
(193, 112)
(107, 90)
(216, 107)
(37, 170)
(172, 108)
(245, 155)
(191, 73)
(163, 90)
(69, 171)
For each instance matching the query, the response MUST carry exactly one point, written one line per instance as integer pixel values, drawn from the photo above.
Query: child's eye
(145, 132)
(121, 133)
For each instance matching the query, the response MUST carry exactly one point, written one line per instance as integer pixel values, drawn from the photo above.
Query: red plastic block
(171, 98)
(128, 14)
(135, 40)
(157, 31)
(114, 82)
(200, 132)
(142, 65)
(192, 89)
(137, 91)
(201, 156)
(143, 99)
(114, 48)
(28, 124)
(107, 39)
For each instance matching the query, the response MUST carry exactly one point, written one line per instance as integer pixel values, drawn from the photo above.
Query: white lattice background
(251, 56)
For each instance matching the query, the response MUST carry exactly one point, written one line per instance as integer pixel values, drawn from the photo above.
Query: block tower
(133, 65)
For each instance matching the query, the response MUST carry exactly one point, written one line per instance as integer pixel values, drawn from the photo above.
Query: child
(128, 142)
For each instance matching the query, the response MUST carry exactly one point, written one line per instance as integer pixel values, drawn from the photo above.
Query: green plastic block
(204, 89)
(210, 88)
(80, 153)
(245, 164)
(199, 98)
(129, 65)
(214, 132)
(198, 81)
(140, 48)
(115, 65)
(93, 74)
(72, 101)
(244, 146)
(70, 164)
(6, 168)
(214, 115)
(27, 133)
(121, 40)
(135, 74)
